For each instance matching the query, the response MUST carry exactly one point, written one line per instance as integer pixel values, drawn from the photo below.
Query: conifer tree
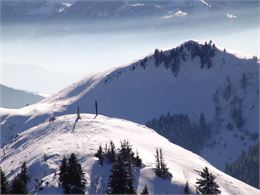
(129, 178)
(111, 152)
(127, 155)
(164, 168)
(117, 181)
(18, 186)
(72, 176)
(157, 169)
(4, 183)
(207, 184)
(63, 175)
(126, 151)
(187, 189)
(100, 155)
(145, 190)
(161, 169)
(244, 82)
(19, 183)
(24, 173)
(137, 160)
(76, 180)
(122, 174)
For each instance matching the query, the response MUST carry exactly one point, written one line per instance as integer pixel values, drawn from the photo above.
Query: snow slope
(141, 91)
(62, 137)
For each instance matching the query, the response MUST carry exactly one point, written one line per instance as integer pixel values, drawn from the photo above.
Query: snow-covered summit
(44, 146)
(192, 78)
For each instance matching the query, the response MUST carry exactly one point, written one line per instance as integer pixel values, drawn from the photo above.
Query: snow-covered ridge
(173, 80)
(63, 136)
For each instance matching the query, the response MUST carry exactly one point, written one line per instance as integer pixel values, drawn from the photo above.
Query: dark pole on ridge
(96, 108)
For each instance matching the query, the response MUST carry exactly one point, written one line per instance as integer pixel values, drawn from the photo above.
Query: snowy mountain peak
(193, 79)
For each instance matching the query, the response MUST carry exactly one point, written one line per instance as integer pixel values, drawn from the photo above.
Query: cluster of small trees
(246, 167)
(244, 82)
(171, 60)
(161, 169)
(236, 110)
(110, 153)
(124, 162)
(71, 176)
(18, 184)
(176, 55)
(179, 129)
(121, 181)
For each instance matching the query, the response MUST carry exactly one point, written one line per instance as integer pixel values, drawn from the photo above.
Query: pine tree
(165, 171)
(121, 179)
(76, 180)
(24, 175)
(157, 169)
(207, 185)
(100, 155)
(145, 190)
(137, 160)
(126, 152)
(244, 81)
(127, 155)
(63, 175)
(111, 152)
(19, 183)
(187, 189)
(117, 181)
(129, 177)
(161, 169)
(71, 177)
(4, 183)
(18, 186)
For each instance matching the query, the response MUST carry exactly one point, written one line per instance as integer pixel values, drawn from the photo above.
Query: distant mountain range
(80, 10)
(14, 98)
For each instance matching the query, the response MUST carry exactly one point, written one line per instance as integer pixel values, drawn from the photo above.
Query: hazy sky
(84, 49)
(85, 53)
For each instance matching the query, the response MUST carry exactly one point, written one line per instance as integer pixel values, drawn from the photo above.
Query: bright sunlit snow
(63, 137)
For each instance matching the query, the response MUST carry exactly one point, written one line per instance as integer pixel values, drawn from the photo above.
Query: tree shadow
(74, 125)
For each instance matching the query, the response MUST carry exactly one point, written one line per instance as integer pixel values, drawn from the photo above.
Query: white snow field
(139, 93)
(63, 137)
